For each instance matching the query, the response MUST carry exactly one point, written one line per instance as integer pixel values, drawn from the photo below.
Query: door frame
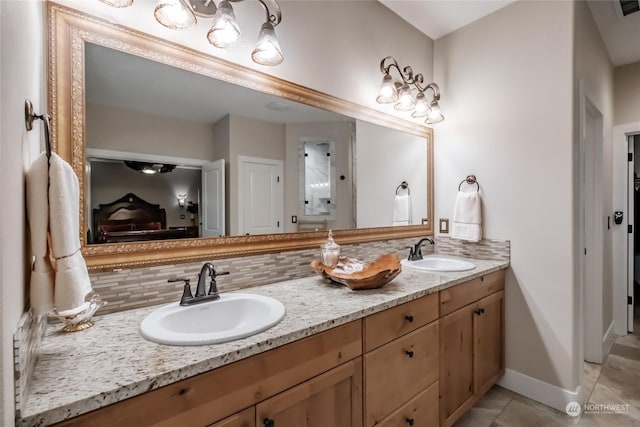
(590, 269)
(630, 236)
(621, 134)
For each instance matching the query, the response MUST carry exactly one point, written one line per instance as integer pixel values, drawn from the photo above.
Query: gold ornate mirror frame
(68, 32)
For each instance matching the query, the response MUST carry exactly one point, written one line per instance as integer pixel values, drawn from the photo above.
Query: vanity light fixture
(225, 32)
(401, 93)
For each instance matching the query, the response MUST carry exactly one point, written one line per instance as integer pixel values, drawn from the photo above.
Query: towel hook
(30, 116)
(405, 186)
(470, 179)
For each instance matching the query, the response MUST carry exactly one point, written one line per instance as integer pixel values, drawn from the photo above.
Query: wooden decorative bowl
(357, 275)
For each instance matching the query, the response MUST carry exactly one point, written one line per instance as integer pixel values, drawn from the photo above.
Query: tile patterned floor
(615, 382)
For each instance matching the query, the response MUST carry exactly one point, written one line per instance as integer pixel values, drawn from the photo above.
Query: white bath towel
(41, 281)
(72, 282)
(402, 210)
(52, 208)
(467, 220)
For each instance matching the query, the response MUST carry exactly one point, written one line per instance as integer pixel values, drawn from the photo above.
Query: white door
(260, 207)
(630, 242)
(213, 221)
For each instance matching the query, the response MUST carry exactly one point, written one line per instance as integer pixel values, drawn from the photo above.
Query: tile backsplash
(126, 289)
(26, 345)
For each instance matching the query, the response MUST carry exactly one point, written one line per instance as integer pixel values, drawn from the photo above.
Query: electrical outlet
(444, 225)
(294, 219)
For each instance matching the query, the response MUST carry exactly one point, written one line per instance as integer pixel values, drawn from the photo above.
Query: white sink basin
(229, 318)
(438, 263)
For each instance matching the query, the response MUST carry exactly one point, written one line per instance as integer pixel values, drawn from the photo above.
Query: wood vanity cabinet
(471, 343)
(401, 366)
(211, 397)
(422, 363)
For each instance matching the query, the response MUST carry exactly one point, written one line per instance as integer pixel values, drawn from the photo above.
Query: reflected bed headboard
(122, 217)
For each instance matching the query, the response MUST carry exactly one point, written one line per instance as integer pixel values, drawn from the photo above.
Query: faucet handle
(213, 287)
(186, 292)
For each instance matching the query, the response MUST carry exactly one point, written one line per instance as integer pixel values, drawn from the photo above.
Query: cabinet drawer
(383, 327)
(458, 296)
(421, 411)
(397, 371)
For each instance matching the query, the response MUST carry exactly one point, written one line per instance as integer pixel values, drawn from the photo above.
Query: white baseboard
(607, 340)
(540, 391)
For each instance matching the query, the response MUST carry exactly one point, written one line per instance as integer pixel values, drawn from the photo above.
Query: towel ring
(470, 179)
(30, 116)
(404, 186)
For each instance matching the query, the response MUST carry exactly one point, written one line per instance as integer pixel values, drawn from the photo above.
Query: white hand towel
(72, 282)
(402, 210)
(467, 220)
(41, 280)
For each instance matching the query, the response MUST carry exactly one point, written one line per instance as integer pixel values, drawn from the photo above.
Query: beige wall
(627, 94)
(593, 67)
(386, 157)
(118, 129)
(342, 61)
(507, 95)
(21, 76)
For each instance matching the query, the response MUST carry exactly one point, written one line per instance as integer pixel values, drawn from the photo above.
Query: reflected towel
(467, 220)
(72, 282)
(41, 280)
(402, 210)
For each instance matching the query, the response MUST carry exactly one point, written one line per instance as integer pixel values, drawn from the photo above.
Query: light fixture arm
(275, 17)
(407, 76)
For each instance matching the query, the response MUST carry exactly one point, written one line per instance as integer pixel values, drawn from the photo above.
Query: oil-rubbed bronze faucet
(187, 298)
(415, 253)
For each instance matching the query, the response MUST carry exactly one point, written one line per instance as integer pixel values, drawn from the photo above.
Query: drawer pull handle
(409, 318)
(268, 422)
(409, 353)
(409, 421)
(479, 311)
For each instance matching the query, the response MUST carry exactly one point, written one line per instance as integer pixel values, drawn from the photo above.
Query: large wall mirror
(183, 156)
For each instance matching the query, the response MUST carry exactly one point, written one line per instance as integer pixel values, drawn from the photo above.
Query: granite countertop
(80, 372)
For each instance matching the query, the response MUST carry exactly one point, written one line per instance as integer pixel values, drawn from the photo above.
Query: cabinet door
(456, 364)
(331, 399)
(488, 336)
(246, 418)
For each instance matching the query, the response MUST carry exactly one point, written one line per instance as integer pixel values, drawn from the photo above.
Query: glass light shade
(174, 14)
(225, 31)
(267, 51)
(435, 115)
(388, 92)
(405, 99)
(118, 3)
(422, 106)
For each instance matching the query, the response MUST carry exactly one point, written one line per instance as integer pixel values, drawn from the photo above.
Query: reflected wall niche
(78, 40)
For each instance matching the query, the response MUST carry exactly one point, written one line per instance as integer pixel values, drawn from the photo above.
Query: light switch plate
(444, 225)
